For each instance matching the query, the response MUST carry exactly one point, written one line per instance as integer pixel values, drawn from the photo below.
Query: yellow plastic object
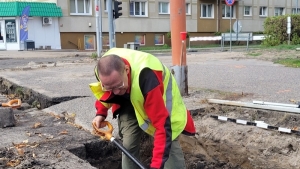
(16, 103)
(104, 134)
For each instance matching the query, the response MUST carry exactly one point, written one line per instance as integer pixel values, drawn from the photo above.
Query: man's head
(112, 73)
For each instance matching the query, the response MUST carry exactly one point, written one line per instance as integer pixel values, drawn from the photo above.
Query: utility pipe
(251, 105)
(275, 104)
(178, 24)
(217, 15)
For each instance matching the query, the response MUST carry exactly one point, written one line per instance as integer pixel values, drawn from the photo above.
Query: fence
(247, 37)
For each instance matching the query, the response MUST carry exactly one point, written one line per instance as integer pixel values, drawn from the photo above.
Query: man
(144, 95)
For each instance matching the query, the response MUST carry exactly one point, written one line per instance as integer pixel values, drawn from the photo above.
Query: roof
(37, 9)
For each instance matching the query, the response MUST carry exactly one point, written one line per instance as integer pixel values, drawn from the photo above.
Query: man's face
(115, 82)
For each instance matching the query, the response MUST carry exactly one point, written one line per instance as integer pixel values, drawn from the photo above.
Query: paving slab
(64, 81)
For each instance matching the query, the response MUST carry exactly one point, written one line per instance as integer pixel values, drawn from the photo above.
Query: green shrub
(218, 33)
(258, 33)
(296, 39)
(94, 55)
(275, 30)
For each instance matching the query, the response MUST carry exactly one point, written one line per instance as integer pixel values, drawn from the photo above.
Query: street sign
(229, 2)
(237, 26)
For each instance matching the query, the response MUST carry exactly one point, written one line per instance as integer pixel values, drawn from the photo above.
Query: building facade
(148, 21)
(42, 25)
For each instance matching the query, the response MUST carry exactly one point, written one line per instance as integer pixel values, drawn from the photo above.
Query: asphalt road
(265, 80)
(67, 74)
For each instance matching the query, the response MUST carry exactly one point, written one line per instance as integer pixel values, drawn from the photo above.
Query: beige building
(148, 21)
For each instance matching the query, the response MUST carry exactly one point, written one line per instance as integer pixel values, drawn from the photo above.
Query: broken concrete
(60, 136)
(7, 118)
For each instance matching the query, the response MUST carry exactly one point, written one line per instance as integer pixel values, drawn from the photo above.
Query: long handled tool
(16, 103)
(107, 134)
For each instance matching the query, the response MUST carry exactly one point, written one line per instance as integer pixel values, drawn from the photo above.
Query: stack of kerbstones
(7, 118)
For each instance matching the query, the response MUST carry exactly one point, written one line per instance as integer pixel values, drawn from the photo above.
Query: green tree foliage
(275, 30)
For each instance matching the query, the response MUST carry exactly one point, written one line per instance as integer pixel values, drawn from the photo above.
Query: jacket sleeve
(101, 107)
(101, 110)
(159, 116)
(152, 89)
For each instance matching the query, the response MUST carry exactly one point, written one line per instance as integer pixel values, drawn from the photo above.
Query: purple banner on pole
(23, 24)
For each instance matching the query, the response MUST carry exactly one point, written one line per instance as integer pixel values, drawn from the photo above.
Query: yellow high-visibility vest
(171, 96)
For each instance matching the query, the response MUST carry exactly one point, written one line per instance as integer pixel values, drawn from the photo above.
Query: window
(207, 11)
(138, 8)
(139, 39)
(279, 11)
(10, 26)
(226, 11)
(295, 10)
(105, 5)
(80, 7)
(105, 40)
(247, 11)
(188, 9)
(263, 11)
(159, 39)
(89, 42)
(164, 7)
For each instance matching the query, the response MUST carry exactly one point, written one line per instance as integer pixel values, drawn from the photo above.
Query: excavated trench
(100, 154)
(218, 144)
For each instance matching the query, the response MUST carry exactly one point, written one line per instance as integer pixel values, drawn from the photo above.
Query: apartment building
(73, 22)
(148, 21)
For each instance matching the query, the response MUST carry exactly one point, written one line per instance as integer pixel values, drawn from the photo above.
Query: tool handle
(107, 134)
(16, 103)
(104, 133)
(124, 150)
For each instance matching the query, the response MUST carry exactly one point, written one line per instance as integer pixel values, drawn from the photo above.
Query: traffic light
(117, 9)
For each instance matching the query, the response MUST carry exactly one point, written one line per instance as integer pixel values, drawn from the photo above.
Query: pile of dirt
(244, 146)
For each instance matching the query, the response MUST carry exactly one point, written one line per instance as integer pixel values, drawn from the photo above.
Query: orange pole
(178, 24)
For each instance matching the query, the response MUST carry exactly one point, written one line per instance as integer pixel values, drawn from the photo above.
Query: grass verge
(254, 54)
(289, 62)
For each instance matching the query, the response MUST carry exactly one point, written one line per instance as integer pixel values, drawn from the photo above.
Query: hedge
(275, 30)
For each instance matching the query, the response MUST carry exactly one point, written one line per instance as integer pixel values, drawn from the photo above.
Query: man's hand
(98, 120)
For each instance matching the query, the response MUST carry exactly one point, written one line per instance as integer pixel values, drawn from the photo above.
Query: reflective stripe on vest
(169, 100)
(171, 94)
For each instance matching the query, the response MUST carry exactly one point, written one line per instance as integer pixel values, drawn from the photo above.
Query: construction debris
(256, 106)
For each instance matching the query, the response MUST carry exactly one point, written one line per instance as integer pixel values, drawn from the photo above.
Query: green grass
(254, 54)
(258, 46)
(283, 47)
(145, 48)
(94, 55)
(289, 62)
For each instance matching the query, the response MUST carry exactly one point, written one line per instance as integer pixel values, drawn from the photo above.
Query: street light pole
(100, 27)
(97, 27)
(110, 23)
